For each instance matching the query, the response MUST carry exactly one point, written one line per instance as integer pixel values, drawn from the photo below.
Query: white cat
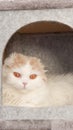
(25, 84)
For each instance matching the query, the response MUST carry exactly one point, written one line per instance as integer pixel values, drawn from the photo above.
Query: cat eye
(16, 74)
(33, 76)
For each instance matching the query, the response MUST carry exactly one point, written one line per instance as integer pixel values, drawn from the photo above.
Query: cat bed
(53, 47)
(54, 43)
(34, 4)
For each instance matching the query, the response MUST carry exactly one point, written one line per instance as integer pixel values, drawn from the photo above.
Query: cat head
(23, 72)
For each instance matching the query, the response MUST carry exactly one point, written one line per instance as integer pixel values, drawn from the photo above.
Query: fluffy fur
(38, 92)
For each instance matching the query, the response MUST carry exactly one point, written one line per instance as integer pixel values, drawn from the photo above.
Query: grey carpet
(36, 125)
(25, 125)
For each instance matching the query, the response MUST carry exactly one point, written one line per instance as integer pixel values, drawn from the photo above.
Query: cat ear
(6, 65)
(9, 60)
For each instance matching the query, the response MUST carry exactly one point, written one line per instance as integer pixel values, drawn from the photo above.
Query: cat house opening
(49, 41)
(44, 39)
(40, 27)
(45, 27)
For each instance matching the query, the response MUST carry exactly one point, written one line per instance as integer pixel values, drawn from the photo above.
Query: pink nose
(24, 83)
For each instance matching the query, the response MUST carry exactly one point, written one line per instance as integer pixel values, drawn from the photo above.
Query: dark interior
(50, 41)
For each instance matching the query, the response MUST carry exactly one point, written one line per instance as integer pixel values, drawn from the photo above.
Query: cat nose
(24, 83)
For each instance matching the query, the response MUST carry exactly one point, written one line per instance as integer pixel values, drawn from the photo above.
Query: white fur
(14, 92)
(57, 91)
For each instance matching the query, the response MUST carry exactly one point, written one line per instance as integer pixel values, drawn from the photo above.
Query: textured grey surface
(61, 125)
(10, 22)
(25, 125)
(22, 113)
(34, 4)
(36, 125)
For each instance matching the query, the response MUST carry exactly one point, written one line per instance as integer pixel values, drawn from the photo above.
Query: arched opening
(44, 39)
(49, 41)
(45, 27)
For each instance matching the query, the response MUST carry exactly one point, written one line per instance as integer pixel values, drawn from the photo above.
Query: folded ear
(9, 60)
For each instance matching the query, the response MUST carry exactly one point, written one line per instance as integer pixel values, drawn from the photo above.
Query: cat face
(23, 72)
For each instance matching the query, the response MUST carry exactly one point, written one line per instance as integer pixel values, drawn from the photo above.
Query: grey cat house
(43, 29)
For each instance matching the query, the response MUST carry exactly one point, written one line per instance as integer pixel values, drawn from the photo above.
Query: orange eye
(16, 74)
(33, 76)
